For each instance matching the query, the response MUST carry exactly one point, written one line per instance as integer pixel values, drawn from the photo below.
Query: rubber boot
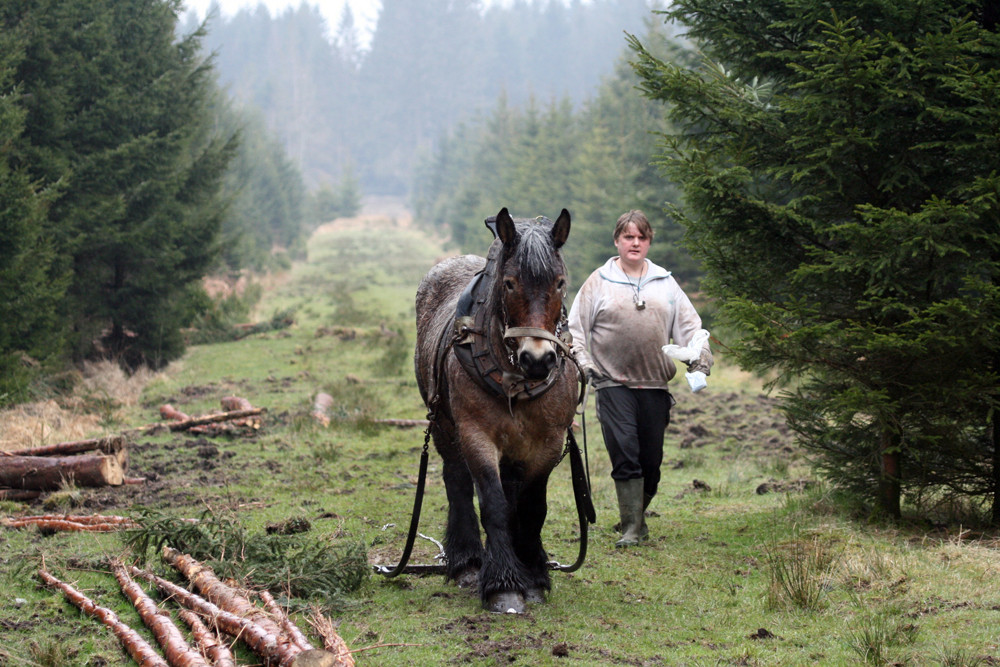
(646, 499)
(630, 510)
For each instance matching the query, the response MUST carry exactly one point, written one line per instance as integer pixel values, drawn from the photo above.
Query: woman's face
(632, 245)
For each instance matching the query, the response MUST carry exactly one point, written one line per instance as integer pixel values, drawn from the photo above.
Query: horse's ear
(505, 228)
(560, 230)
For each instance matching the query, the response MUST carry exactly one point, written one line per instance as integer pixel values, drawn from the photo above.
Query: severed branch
(140, 650)
(175, 646)
(332, 641)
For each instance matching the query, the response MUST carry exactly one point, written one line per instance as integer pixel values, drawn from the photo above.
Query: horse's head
(532, 287)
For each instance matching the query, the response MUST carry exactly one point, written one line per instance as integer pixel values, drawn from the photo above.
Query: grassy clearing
(785, 576)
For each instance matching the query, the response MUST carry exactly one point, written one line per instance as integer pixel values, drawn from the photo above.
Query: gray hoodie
(623, 343)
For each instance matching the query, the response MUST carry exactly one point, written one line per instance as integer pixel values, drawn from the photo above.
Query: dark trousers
(633, 422)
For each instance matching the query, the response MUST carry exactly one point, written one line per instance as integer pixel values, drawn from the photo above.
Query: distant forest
(372, 114)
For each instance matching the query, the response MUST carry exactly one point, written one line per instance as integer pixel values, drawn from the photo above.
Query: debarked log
(46, 473)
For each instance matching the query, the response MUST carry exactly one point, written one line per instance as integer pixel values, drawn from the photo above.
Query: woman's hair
(637, 218)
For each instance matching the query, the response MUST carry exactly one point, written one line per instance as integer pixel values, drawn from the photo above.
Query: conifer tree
(30, 289)
(117, 116)
(841, 168)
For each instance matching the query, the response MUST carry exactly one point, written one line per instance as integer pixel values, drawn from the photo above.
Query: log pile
(211, 610)
(96, 462)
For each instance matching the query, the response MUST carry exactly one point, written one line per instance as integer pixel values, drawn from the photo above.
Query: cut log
(168, 635)
(63, 525)
(109, 445)
(84, 519)
(284, 621)
(321, 408)
(46, 473)
(140, 650)
(403, 423)
(208, 641)
(18, 494)
(168, 411)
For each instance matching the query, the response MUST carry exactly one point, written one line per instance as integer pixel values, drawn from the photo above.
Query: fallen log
(208, 641)
(46, 473)
(168, 635)
(140, 650)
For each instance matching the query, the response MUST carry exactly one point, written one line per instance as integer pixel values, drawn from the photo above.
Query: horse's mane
(534, 252)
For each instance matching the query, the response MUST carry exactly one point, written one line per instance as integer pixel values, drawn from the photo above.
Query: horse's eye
(561, 285)
(509, 284)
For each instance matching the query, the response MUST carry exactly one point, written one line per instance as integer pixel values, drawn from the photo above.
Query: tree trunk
(889, 486)
(47, 473)
(996, 467)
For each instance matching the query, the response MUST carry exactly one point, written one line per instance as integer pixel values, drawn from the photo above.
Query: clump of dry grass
(102, 389)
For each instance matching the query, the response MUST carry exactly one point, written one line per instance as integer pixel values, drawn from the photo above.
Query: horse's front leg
(531, 510)
(503, 582)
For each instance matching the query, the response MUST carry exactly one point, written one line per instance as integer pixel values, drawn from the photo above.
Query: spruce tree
(117, 115)
(30, 287)
(841, 169)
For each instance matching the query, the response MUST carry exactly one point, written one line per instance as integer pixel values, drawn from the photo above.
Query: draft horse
(493, 367)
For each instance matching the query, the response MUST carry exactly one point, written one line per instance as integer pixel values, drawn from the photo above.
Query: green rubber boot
(630, 502)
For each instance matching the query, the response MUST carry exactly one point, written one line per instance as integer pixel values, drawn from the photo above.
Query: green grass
(729, 577)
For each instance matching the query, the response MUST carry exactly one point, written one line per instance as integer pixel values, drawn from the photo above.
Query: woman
(624, 313)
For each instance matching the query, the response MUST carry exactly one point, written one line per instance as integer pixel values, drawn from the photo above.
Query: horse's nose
(535, 367)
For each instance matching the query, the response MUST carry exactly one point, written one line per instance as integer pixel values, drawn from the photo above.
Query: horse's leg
(502, 581)
(463, 547)
(531, 512)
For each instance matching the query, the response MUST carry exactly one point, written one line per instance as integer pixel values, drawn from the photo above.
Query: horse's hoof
(509, 602)
(535, 595)
(468, 578)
